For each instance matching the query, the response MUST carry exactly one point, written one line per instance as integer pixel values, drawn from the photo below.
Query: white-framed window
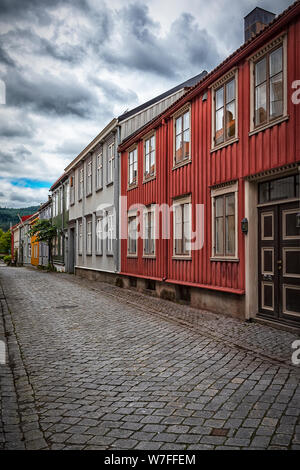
(80, 237)
(80, 185)
(110, 163)
(99, 173)
(89, 177)
(224, 109)
(224, 222)
(61, 200)
(29, 250)
(132, 235)
(72, 189)
(149, 157)
(132, 167)
(149, 232)
(182, 137)
(89, 236)
(99, 236)
(67, 188)
(182, 226)
(110, 232)
(268, 82)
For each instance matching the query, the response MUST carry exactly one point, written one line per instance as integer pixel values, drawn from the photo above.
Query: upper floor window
(72, 189)
(225, 112)
(67, 189)
(132, 167)
(80, 237)
(99, 236)
(89, 177)
(80, 186)
(149, 157)
(99, 173)
(182, 227)
(182, 137)
(110, 163)
(268, 87)
(110, 232)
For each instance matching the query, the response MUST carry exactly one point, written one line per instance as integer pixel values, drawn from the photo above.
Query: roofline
(92, 144)
(259, 8)
(243, 51)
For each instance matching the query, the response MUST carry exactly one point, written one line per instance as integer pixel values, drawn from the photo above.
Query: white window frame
(152, 150)
(89, 237)
(132, 163)
(231, 75)
(99, 172)
(222, 191)
(89, 173)
(180, 202)
(179, 114)
(110, 233)
(110, 163)
(132, 215)
(80, 185)
(99, 235)
(147, 211)
(72, 189)
(80, 237)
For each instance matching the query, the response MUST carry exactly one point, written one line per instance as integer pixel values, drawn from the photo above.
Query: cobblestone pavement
(93, 366)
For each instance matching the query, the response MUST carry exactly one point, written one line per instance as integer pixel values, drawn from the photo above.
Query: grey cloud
(115, 93)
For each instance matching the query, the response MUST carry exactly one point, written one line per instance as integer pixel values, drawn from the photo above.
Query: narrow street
(93, 366)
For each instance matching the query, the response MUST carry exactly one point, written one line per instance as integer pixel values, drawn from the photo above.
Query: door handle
(279, 264)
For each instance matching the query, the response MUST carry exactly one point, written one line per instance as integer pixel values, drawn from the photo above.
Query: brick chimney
(256, 20)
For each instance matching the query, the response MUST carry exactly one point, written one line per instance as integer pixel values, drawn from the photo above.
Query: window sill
(149, 256)
(133, 186)
(99, 254)
(89, 254)
(89, 194)
(180, 164)
(182, 258)
(99, 189)
(132, 256)
(150, 178)
(110, 183)
(232, 260)
(224, 144)
(270, 124)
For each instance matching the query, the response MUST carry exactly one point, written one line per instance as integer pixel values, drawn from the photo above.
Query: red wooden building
(231, 144)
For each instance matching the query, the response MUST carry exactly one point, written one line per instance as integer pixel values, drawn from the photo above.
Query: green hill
(10, 217)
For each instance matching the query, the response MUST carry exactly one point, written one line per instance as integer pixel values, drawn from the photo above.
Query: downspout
(166, 192)
(117, 191)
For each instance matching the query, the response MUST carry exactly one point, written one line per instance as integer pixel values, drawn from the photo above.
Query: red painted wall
(270, 148)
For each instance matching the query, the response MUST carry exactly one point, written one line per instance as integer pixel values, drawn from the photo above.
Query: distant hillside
(10, 217)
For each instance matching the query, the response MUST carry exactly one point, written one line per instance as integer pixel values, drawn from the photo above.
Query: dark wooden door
(279, 263)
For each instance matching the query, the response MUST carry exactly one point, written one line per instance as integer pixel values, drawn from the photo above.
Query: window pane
(219, 98)
(186, 140)
(260, 72)
(219, 235)
(230, 119)
(268, 226)
(186, 121)
(230, 235)
(293, 299)
(275, 62)
(219, 206)
(179, 155)
(264, 192)
(268, 295)
(230, 204)
(178, 126)
(230, 91)
(292, 262)
(276, 96)
(219, 126)
(147, 146)
(282, 189)
(261, 104)
(291, 225)
(268, 261)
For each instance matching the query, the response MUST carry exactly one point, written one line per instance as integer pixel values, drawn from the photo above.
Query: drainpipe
(117, 192)
(166, 179)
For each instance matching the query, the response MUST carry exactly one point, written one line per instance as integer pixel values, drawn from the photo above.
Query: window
(80, 238)
(89, 237)
(269, 84)
(80, 186)
(89, 178)
(149, 234)
(182, 138)
(110, 163)
(132, 167)
(225, 112)
(132, 235)
(99, 236)
(72, 189)
(281, 188)
(67, 188)
(182, 227)
(99, 174)
(224, 210)
(110, 233)
(149, 158)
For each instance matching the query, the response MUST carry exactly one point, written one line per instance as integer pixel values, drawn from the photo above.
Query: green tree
(44, 232)
(5, 241)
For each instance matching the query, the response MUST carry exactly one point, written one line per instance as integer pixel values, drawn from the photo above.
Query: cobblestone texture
(93, 366)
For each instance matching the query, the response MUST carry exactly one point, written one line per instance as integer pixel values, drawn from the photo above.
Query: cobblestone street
(93, 366)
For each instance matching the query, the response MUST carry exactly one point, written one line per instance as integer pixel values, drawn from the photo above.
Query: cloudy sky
(70, 66)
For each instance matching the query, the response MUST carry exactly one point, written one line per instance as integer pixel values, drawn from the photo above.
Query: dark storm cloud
(11, 129)
(114, 92)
